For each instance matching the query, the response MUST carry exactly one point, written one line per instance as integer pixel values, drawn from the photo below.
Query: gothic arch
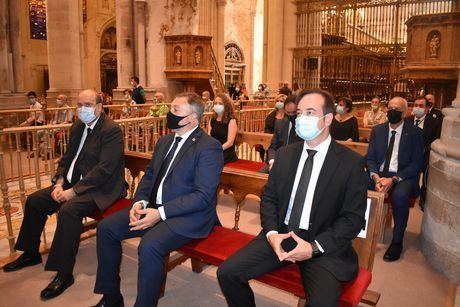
(233, 52)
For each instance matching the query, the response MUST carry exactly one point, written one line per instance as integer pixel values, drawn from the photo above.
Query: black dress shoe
(107, 301)
(393, 252)
(23, 261)
(57, 286)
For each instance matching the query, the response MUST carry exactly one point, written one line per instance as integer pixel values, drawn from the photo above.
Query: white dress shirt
(82, 141)
(393, 168)
(421, 121)
(318, 162)
(159, 199)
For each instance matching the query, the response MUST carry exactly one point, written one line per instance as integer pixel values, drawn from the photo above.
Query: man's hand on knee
(55, 194)
(275, 240)
(66, 195)
(152, 216)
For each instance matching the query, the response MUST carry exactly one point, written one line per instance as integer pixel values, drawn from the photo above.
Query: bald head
(61, 100)
(159, 97)
(89, 99)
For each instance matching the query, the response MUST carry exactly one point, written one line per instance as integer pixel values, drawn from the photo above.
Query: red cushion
(120, 204)
(246, 165)
(223, 242)
(412, 200)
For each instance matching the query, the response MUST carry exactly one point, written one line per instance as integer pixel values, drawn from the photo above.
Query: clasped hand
(151, 217)
(302, 251)
(383, 184)
(60, 195)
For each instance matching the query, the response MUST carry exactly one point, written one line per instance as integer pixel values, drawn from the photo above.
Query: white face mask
(32, 100)
(375, 107)
(306, 127)
(237, 89)
(59, 102)
(218, 108)
(418, 112)
(340, 109)
(279, 105)
(86, 114)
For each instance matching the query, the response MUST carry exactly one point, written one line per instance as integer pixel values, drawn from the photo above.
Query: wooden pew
(365, 133)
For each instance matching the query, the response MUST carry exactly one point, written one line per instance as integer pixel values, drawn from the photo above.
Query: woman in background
(223, 126)
(276, 114)
(344, 125)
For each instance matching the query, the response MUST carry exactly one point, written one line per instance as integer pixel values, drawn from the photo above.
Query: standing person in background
(244, 92)
(224, 127)
(295, 88)
(374, 116)
(138, 91)
(277, 114)
(261, 93)
(237, 93)
(285, 89)
(208, 104)
(344, 125)
(433, 111)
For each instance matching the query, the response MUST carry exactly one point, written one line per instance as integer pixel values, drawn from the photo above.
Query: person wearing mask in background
(344, 126)
(432, 110)
(208, 104)
(138, 91)
(237, 93)
(431, 127)
(374, 116)
(89, 177)
(36, 117)
(394, 161)
(261, 93)
(64, 115)
(277, 114)
(127, 109)
(244, 92)
(284, 132)
(223, 126)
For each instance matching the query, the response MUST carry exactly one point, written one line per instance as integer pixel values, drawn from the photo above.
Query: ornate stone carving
(434, 43)
(198, 55)
(178, 55)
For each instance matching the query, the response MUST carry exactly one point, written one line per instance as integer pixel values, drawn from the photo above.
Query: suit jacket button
(311, 224)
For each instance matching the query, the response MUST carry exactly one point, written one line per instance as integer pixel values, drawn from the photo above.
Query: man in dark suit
(394, 160)
(284, 132)
(89, 176)
(433, 111)
(312, 207)
(431, 126)
(175, 203)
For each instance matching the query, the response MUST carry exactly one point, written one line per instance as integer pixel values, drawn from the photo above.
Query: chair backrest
(358, 147)
(365, 246)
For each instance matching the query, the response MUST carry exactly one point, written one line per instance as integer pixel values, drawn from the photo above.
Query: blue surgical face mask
(86, 114)
(279, 105)
(340, 109)
(306, 127)
(418, 112)
(218, 108)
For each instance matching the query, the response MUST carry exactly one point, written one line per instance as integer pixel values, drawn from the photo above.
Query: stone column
(274, 42)
(220, 52)
(441, 220)
(4, 70)
(289, 36)
(64, 47)
(15, 45)
(140, 40)
(125, 42)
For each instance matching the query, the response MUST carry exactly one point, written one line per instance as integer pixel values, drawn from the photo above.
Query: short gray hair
(195, 102)
(401, 101)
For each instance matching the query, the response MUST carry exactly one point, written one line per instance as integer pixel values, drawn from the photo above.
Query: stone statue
(434, 46)
(178, 55)
(198, 55)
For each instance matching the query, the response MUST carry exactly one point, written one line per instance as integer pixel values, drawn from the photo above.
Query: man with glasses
(311, 208)
(89, 177)
(394, 160)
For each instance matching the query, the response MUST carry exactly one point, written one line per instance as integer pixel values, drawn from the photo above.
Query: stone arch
(234, 63)
(233, 52)
(108, 57)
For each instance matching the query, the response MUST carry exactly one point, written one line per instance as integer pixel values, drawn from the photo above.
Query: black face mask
(292, 118)
(172, 121)
(394, 116)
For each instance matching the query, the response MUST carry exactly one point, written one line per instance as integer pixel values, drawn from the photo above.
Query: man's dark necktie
(386, 166)
(76, 174)
(301, 193)
(163, 169)
(417, 122)
(291, 133)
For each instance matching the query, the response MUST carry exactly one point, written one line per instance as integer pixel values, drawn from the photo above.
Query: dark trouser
(258, 258)
(156, 242)
(69, 227)
(400, 194)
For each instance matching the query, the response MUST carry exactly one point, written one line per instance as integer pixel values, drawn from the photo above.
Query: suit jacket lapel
(191, 140)
(403, 142)
(330, 164)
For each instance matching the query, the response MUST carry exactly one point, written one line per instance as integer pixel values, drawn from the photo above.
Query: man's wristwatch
(315, 250)
(395, 180)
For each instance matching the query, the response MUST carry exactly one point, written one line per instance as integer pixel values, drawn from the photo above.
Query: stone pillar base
(52, 94)
(13, 101)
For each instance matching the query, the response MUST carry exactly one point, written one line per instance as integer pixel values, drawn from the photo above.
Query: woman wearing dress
(344, 126)
(223, 126)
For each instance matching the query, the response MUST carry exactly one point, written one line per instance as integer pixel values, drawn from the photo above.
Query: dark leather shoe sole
(13, 266)
(392, 254)
(103, 304)
(49, 294)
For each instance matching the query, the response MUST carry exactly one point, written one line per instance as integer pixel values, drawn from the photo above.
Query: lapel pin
(193, 140)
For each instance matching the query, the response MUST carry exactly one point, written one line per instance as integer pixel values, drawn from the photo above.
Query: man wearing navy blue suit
(175, 203)
(394, 161)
